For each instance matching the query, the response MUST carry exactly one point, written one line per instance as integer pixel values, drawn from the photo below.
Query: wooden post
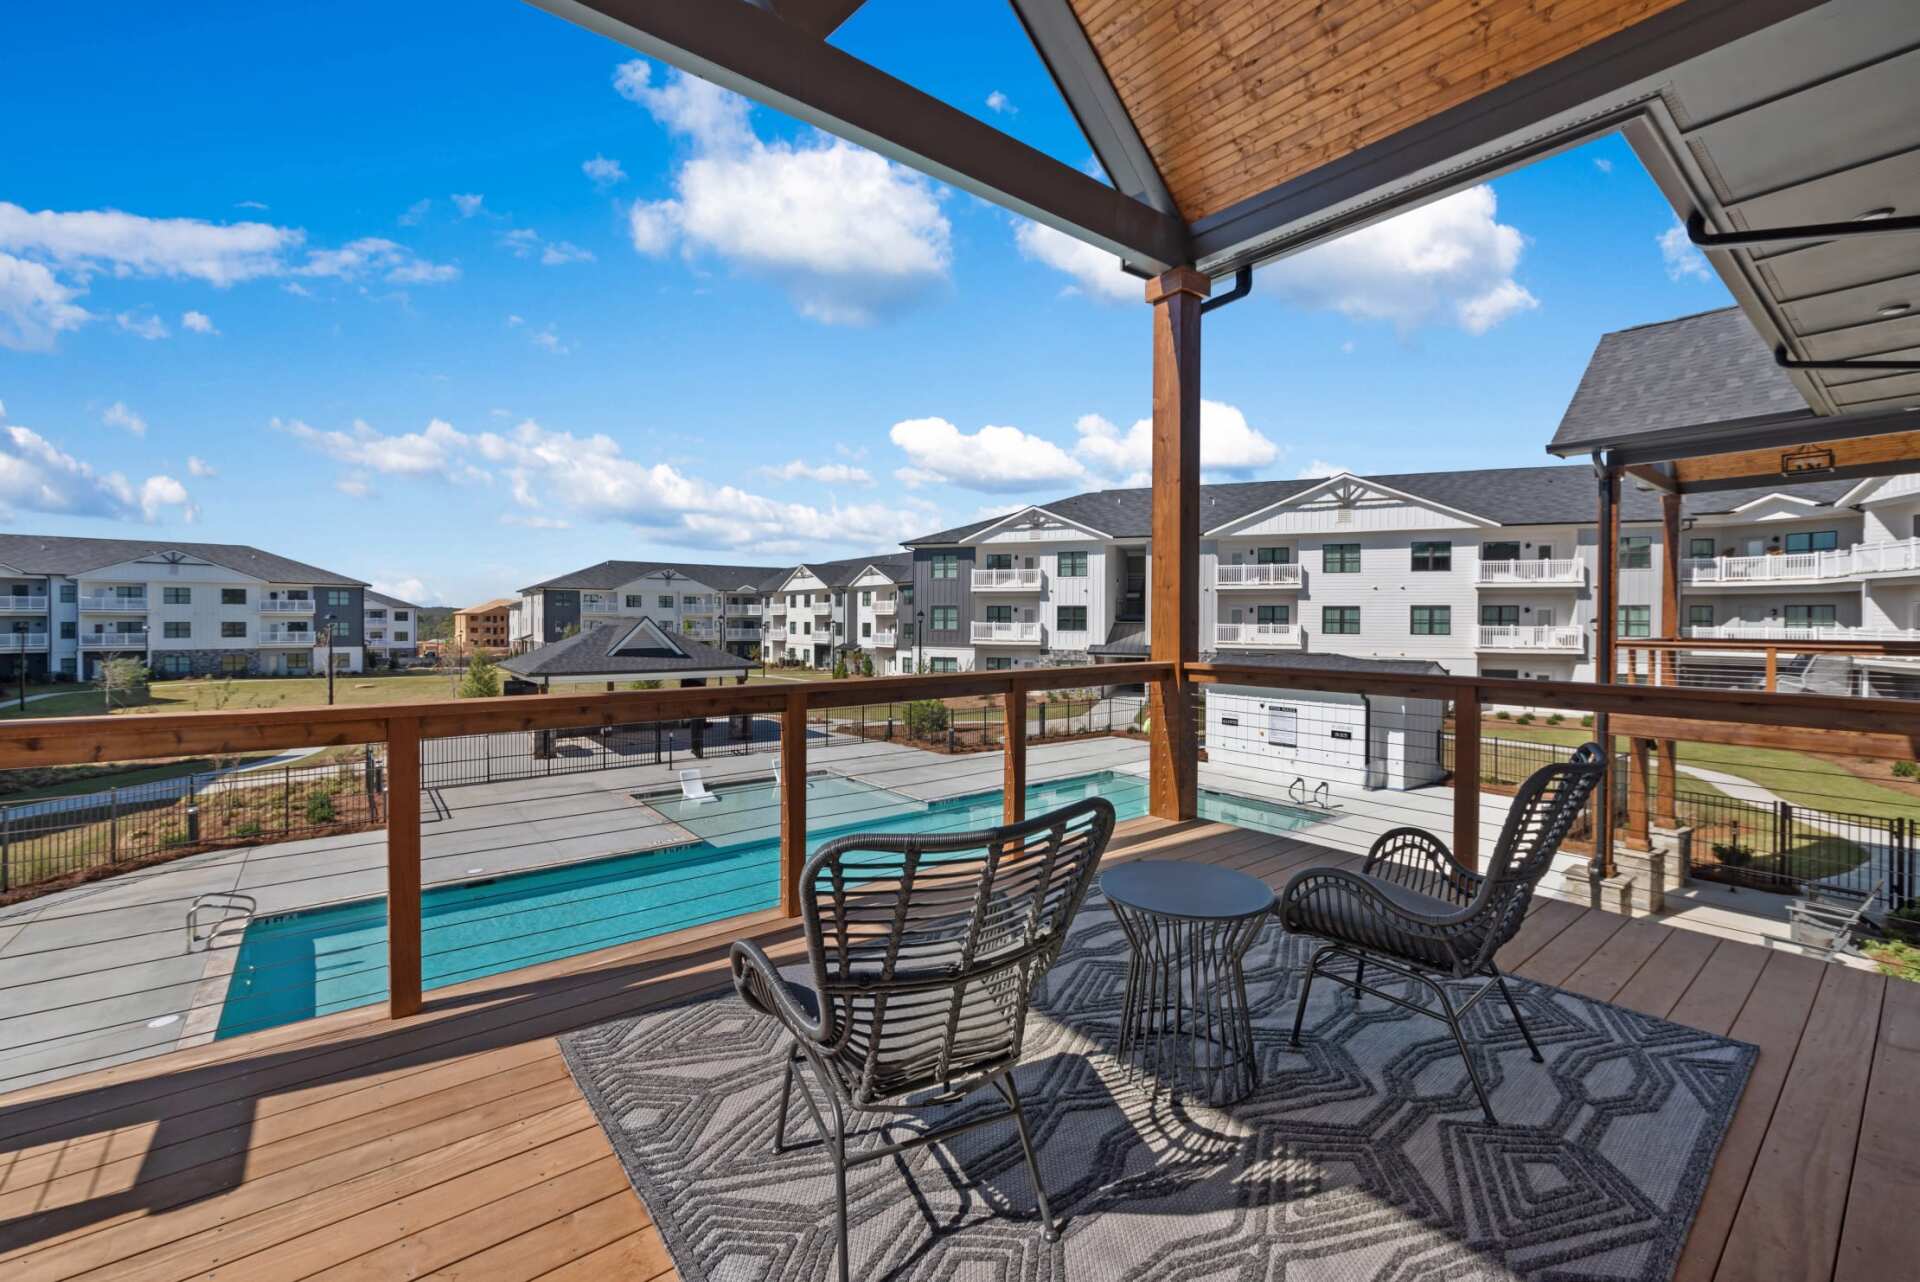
(1607, 607)
(1173, 606)
(1668, 815)
(793, 799)
(1638, 836)
(1669, 584)
(403, 866)
(1773, 669)
(1466, 778)
(1013, 788)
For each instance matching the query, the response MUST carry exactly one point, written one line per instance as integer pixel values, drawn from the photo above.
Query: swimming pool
(296, 965)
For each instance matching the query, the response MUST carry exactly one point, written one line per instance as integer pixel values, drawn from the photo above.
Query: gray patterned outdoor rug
(1362, 1156)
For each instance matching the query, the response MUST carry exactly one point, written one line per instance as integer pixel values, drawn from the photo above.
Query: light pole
(329, 622)
(919, 640)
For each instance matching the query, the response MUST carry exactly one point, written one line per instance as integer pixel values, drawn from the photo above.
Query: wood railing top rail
(71, 740)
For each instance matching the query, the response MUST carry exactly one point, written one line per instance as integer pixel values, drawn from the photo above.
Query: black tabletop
(1170, 888)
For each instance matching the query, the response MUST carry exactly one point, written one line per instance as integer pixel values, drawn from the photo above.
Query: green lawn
(251, 692)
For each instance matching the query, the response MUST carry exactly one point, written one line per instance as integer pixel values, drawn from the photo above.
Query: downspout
(1242, 286)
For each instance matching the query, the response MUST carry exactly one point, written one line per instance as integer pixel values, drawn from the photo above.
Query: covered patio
(441, 1132)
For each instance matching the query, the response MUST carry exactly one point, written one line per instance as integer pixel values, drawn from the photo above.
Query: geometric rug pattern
(1364, 1154)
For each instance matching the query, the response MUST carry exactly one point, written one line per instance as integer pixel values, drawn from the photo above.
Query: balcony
(699, 631)
(1026, 580)
(991, 633)
(821, 609)
(284, 605)
(112, 603)
(743, 634)
(114, 640)
(1257, 636)
(1284, 576)
(1743, 631)
(737, 611)
(888, 604)
(776, 607)
(1902, 556)
(15, 642)
(1763, 571)
(701, 605)
(1559, 572)
(286, 636)
(23, 605)
(883, 640)
(1552, 639)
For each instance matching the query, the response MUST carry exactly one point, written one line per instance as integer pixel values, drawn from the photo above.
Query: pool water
(301, 964)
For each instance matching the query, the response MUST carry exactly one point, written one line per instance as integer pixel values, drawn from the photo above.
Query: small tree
(840, 669)
(926, 718)
(866, 665)
(119, 679)
(483, 678)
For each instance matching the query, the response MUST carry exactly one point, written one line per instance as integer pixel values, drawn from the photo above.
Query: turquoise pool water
(297, 965)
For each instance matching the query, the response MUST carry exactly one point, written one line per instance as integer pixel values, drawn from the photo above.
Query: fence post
(793, 799)
(1782, 833)
(113, 825)
(1043, 718)
(6, 848)
(1013, 787)
(286, 800)
(403, 867)
(1466, 778)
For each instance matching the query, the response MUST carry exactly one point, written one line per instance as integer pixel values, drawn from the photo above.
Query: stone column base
(1678, 845)
(1614, 894)
(1643, 873)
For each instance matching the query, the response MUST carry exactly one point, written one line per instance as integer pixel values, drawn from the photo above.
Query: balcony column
(1668, 808)
(1173, 606)
(1606, 605)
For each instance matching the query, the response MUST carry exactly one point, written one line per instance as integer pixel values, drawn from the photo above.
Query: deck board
(456, 1145)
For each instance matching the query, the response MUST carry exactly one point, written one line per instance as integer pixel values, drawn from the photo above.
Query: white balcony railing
(699, 631)
(699, 605)
(776, 607)
(1557, 572)
(1902, 556)
(883, 640)
(888, 604)
(111, 602)
(823, 607)
(988, 633)
(13, 642)
(114, 640)
(285, 605)
(743, 634)
(1561, 638)
(23, 605)
(287, 636)
(738, 611)
(1784, 567)
(1741, 630)
(1025, 580)
(1266, 636)
(1268, 575)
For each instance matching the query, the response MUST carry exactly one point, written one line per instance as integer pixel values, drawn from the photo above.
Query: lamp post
(919, 640)
(329, 622)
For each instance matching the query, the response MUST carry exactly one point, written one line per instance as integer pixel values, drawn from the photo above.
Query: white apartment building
(391, 627)
(722, 605)
(182, 609)
(827, 609)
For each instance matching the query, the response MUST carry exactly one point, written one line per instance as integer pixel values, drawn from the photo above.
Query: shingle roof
(1696, 370)
(839, 574)
(724, 578)
(605, 650)
(498, 603)
(392, 602)
(58, 554)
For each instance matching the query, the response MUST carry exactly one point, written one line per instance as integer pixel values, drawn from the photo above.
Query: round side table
(1185, 1018)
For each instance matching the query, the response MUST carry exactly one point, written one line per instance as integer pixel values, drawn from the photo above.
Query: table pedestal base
(1185, 1023)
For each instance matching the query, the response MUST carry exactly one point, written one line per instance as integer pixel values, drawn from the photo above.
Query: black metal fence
(942, 727)
(1783, 848)
(56, 837)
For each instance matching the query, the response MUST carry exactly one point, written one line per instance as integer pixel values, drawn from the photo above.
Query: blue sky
(456, 296)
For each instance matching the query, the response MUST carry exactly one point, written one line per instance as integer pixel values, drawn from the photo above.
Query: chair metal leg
(1525, 1032)
(1359, 978)
(1460, 1040)
(1306, 989)
(840, 1187)
(786, 1097)
(1011, 1093)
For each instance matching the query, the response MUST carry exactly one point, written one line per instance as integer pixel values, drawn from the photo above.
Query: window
(400, 636)
(297, 594)
(339, 596)
(1280, 615)
(1813, 541)
(1432, 621)
(1811, 616)
(1432, 556)
(69, 630)
(1340, 558)
(999, 561)
(233, 596)
(999, 663)
(236, 628)
(999, 614)
(69, 593)
(793, 629)
(1499, 616)
(176, 596)
(866, 596)
(944, 618)
(636, 601)
(174, 630)
(1699, 616)
(1499, 551)
(665, 601)
(399, 616)
(1635, 620)
(1071, 618)
(945, 565)
(129, 593)
(1636, 552)
(1073, 565)
(173, 665)
(866, 629)
(1700, 549)
(1501, 674)
(1340, 620)
(943, 665)
(233, 664)
(377, 616)
(1273, 556)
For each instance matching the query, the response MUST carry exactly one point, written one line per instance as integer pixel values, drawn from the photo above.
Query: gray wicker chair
(1415, 912)
(924, 951)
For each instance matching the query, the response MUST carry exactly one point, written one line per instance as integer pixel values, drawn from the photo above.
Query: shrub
(1526, 718)
(1906, 770)
(1555, 719)
(482, 680)
(1586, 719)
(1732, 853)
(1503, 715)
(926, 718)
(840, 669)
(320, 807)
(866, 665)
(251, 828)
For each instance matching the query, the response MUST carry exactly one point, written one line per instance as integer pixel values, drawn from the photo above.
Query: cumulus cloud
(38, 476)
(142, 325)
(200, 468)
(118, 415)
(1230, 449)
(532, 521)
(825, 473)
(1001, 104)
(603, 172)
(1095, 272)
(993, 459)
(850, 236)
(198, 322)
(437, 450)
(548, 340)
(1319, 469)
(34, 306)
(1683, 261)
(407, 589)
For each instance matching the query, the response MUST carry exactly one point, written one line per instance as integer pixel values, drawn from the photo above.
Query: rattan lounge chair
(1417, 913)
(924, 951)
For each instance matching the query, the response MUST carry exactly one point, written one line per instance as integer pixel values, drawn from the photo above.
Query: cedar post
(1013, 788)
(1773, 669)
(1638, 836)
(1668, 815)
(793, 799)
(1173, 606)
(1667, 804)
(403, 866)
(1466, 778)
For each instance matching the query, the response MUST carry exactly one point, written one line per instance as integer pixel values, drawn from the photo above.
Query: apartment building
(724, 605)
(391, 627)
(485, 627)
(823, 610)
(183, 609)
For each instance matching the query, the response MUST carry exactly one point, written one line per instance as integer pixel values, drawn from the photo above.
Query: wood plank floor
(456, 1145)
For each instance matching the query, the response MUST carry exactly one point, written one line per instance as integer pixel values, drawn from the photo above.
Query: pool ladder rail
(1322, 795)
(215, 912)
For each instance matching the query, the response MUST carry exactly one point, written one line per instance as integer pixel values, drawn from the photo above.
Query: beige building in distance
(483, 626)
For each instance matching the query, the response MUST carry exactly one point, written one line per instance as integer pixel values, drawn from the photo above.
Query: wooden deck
(455, 1144)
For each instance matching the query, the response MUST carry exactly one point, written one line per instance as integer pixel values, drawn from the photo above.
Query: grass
(251, 692)
(1896, 960)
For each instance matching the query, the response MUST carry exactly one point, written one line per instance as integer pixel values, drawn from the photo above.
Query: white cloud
(548, 340)
(199, 467)
(354, 487)
(220, 254)
(416, 213)
(603, 171)
(1683, 261)
(118, 415)
(438, 450)
(1318, 470)
(37, 476)
(249, 204)
(1096, 272)
(1604, 165)
(850, 236)
(993, 459)
(528, 521)
(142, 325)
(198, 322)
(407, 589)
(999, 102)
(825, 473)
(1230, 449)
(34, 305)
(525, 242)
(1451, 260)
(468, 203)
(376, 256)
